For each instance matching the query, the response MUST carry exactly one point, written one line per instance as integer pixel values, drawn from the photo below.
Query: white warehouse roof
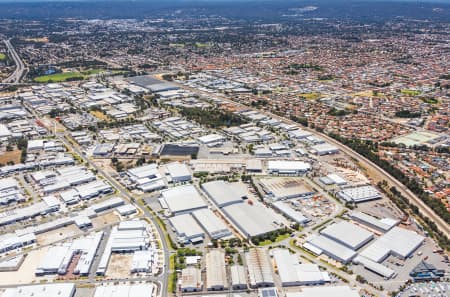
(223, 193)
(288, 166)
(398, 241)
(348, 234)
(140, 290)
(335, 291)
(183, 199)
(48, 290)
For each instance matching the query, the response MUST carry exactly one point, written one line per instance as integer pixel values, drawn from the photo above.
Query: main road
(15, 77)
(424, 209)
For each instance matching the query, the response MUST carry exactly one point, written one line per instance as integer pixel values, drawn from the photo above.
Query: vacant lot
(119, 266)
(64, 76)
(12, 156)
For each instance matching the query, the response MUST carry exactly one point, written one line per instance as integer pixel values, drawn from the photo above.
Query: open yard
(65, 76)
(119, 266)
(12, 156)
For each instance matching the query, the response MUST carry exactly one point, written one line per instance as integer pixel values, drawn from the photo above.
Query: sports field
(64, 76)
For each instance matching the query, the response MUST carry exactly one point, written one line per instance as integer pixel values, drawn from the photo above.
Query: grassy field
(410, 92)
(2, 56)
(311, 96)
(202, 45)
(61, 77)
(279, 238)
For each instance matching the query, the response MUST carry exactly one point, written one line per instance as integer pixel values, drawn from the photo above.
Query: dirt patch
(58, 234)
(119, 266)
(25, 273)
(12, 156)
(105, 219)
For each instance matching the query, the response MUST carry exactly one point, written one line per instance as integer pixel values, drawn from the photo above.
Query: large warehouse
(223, 193)
(288, 167)
(334, 291)
(292, 273)
(382, 225)
(254, 220)
(214, 226)
(183, 199)
(259, 268)
(187, 228)
(398, 242)
(280, 188)
(47, 290)
(359, 194)
(138, 290)
(348, 234)
(216, 275)
(319, 244)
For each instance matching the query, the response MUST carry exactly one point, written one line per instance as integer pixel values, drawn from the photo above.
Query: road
(164, 276)
(15, 77)
(412, 198)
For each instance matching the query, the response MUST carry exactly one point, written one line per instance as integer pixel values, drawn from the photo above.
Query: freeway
(15, 77)
(424, 209)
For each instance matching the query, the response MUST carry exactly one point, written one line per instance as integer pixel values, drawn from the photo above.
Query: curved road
(20, 67)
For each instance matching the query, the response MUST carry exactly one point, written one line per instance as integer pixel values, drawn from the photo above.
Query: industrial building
(48, 205)
(146, 178)
(10, 191)
(359, 194)
(238, 277)
(137, 290)
(375, 267)
(348, 234)
(128, 236)
(223, 193)
(216, 276)
(47, 290)
(425, 272)
(382, 225)
(58, 258)
(191, 280)
(333, 179)
(253, 219)
(183, 199)
(292, 273)
(324, 149)
(144, 261)
(398, 242)
(290, 213)
(187, 229)
(214, 226)
(326, 291)
(259, 268)
(285, 188)
(178, 172)
(288, 167)
(319, 244)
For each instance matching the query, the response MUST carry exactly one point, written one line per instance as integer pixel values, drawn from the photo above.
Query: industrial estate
(283, 163)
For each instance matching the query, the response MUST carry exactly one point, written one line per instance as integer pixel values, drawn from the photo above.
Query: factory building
(191, 280)
(9, 191)
(214, 226)
(253, 219)
(324, 149)
(359, 194)
(223, 193)
(348, 234)
(259, 268)
(137, 290)
(382, 225)
(187, 229)
(182, 199)
(327, 291)
(60, 290)
(216, 276)
(291, 213)
(398, 242)
(319, 244)
(238, 277)
(292, 273)
(281, 188)
(288, 167)
(178, 172)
